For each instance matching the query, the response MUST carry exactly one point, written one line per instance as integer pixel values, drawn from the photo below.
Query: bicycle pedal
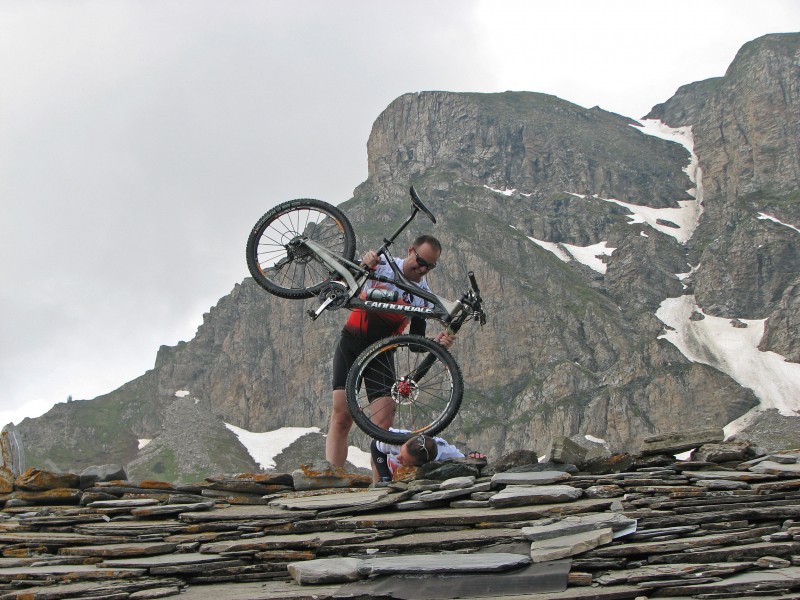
(312, 314)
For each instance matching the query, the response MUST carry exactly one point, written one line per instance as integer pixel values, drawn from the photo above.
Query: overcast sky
(140, 140)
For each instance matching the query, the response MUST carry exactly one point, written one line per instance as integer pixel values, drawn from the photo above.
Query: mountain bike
(305, 248)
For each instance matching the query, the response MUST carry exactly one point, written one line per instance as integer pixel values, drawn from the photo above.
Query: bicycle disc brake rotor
(297, 251)
(405, 391)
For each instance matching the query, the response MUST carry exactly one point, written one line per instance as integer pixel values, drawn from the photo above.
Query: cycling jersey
(374, 325)
(385, 455)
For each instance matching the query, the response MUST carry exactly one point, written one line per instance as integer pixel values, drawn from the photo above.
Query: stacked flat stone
(719, 524)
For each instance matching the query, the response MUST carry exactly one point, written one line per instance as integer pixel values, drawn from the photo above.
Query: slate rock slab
(778, 580)
(271, 478)
(436, 541)
(342, 570)
(470, 516)
(448, 470)
(443, 563)
(244, 513)
(169, 509)
(529, 478)
(37, 480)
(565, 451)
(132, 503)
(290, 541)
(723, 452)
(520, 495)
(680, 441)
(121, 550)
(579, 524)
(151, 594)
(258, 590)
(603, 491)
(440, 495)
(110, 472)
(569, 545)
(162, 560)
(775, 468)
(672, 571)
(325, 570)
(615, 463)
(322, 475)
(723, 484)
(331, 501)
(6, 480)
(246, 487)
(730, 475)
(102, 590)
(544, 580)
(513, 459)
(457, 483)
(44, 497)
(55, 538)
(73, 572)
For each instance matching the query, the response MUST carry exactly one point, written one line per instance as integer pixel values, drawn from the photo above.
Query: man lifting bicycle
(365, 327)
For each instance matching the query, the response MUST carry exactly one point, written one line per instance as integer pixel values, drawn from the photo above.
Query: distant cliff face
(569, 349)
(746, 128)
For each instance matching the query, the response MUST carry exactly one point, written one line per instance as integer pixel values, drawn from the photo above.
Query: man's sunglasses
(422, 262)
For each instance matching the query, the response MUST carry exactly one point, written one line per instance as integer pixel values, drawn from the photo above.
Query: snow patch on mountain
(590, 255)
(716, 342)
(552, 247)
(586, 255)
(506, 191)
(266, 445)
(764, 216)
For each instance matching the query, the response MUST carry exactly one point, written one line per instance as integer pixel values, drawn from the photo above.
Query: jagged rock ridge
(568, 350)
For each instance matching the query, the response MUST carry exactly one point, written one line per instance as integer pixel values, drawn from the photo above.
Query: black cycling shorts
(378, 378)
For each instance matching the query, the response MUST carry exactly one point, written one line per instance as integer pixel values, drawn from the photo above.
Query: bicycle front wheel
(406, 382)
(280, 262)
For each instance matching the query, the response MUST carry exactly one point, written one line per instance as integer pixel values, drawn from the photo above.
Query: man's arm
(417, 327)
(446, 450)
(445, 339)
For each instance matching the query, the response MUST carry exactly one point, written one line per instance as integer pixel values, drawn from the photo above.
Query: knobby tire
(431, 376)
(283, 266)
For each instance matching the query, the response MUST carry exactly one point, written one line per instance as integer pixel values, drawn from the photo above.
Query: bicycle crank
(332, 297)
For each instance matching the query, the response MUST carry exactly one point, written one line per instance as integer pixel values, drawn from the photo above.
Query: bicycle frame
(356, 276)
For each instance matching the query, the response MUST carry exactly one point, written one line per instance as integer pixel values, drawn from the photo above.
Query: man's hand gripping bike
(304, 248)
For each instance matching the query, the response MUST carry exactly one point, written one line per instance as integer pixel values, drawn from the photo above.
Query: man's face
(419, 261)
(404, 457)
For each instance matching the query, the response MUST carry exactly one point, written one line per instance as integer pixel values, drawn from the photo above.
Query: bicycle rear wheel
(404, 382)
(280, 262)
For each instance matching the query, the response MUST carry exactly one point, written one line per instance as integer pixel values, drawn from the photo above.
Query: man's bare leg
(338, 430)
(375, 475)
(382, 411)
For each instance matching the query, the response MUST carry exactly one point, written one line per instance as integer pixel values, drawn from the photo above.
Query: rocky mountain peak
(616, 267)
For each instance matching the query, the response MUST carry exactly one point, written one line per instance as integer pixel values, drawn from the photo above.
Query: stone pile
(721, 524)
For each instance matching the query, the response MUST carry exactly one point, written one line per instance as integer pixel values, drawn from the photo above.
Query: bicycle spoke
(418, 404)
(296, 268)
